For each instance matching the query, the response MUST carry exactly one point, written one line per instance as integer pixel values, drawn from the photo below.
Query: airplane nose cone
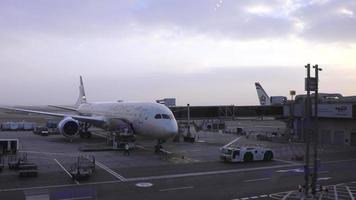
(171, 129)
(174, 128)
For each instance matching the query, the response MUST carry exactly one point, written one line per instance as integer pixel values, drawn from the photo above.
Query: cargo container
(52, 124)
(20, 125)
(9, 126)
(28, 126)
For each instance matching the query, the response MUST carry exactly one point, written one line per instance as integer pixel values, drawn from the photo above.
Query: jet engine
(68, 127)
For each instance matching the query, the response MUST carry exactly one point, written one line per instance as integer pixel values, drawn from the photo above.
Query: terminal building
(229, 118)
(336, 118)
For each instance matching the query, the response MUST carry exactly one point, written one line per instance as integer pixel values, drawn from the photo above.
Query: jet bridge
(226, 112)
(215, 117)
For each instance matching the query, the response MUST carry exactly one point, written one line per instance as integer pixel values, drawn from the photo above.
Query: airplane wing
(97, 120)
(64, 108)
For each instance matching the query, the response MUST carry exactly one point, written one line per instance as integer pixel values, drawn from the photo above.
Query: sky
(202, 52)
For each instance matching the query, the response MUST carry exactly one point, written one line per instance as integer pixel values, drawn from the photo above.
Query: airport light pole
(291, 109)
(188, 120)
(316, 129)
(307, 131)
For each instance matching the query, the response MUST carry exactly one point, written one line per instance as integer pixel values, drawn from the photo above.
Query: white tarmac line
(255, 180)
(58, 186)
(326, 162)
(207, 173)
(65, 171)
(166, 151)
(253, 197)
(321, 196)
(288, 194)
(149, 178)
(286, 161)
(142, 147)
(178, 188)
(39, 187)
(79, 198)
(338, 161)
(335, 193)
(41, 158)
(231, 142)
(110, 171)
(350, 193)
(50, 153)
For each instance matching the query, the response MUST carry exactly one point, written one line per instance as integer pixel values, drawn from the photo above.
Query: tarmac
(190, 170)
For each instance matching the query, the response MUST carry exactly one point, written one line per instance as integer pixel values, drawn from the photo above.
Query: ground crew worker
(127, 149)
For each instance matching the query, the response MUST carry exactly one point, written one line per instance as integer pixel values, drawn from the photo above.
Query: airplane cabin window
(158, 116)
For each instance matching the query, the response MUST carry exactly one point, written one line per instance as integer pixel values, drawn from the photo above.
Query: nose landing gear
(158, 146)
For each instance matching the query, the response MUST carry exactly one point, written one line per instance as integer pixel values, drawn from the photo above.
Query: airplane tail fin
(82, 98)
(262, 95)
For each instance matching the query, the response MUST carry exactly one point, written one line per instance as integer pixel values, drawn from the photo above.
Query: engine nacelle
(68, 127)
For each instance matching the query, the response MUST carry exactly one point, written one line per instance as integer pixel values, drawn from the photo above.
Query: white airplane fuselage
(147, 119)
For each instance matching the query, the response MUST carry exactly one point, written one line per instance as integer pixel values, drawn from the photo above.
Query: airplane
(265, 100)
(262, 95)
(144, 119)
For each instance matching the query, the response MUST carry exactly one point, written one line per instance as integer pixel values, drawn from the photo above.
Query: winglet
(262, 95)
(82, 98)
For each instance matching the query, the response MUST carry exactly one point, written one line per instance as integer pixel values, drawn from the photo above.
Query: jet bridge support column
(189, 137)
(114, 141)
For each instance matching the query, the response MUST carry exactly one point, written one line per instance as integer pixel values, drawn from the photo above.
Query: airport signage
(334, 110)
(310, 84)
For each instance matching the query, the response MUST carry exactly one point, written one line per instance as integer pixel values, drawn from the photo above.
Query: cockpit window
(165, 116)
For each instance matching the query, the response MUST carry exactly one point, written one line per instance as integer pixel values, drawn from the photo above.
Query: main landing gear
(83, 130)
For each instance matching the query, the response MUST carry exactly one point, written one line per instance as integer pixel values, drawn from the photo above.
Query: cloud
(116, 18)
(328, 21)
(322, 20)
(188, 49)
(233, 19)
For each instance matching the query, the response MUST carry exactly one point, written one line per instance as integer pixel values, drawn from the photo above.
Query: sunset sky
(202, 52)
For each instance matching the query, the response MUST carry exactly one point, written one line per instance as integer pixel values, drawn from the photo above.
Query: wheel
(85, 134)
(88, 134)
(157, 148)
(81, 134)
(248, 157)
(268, 156)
